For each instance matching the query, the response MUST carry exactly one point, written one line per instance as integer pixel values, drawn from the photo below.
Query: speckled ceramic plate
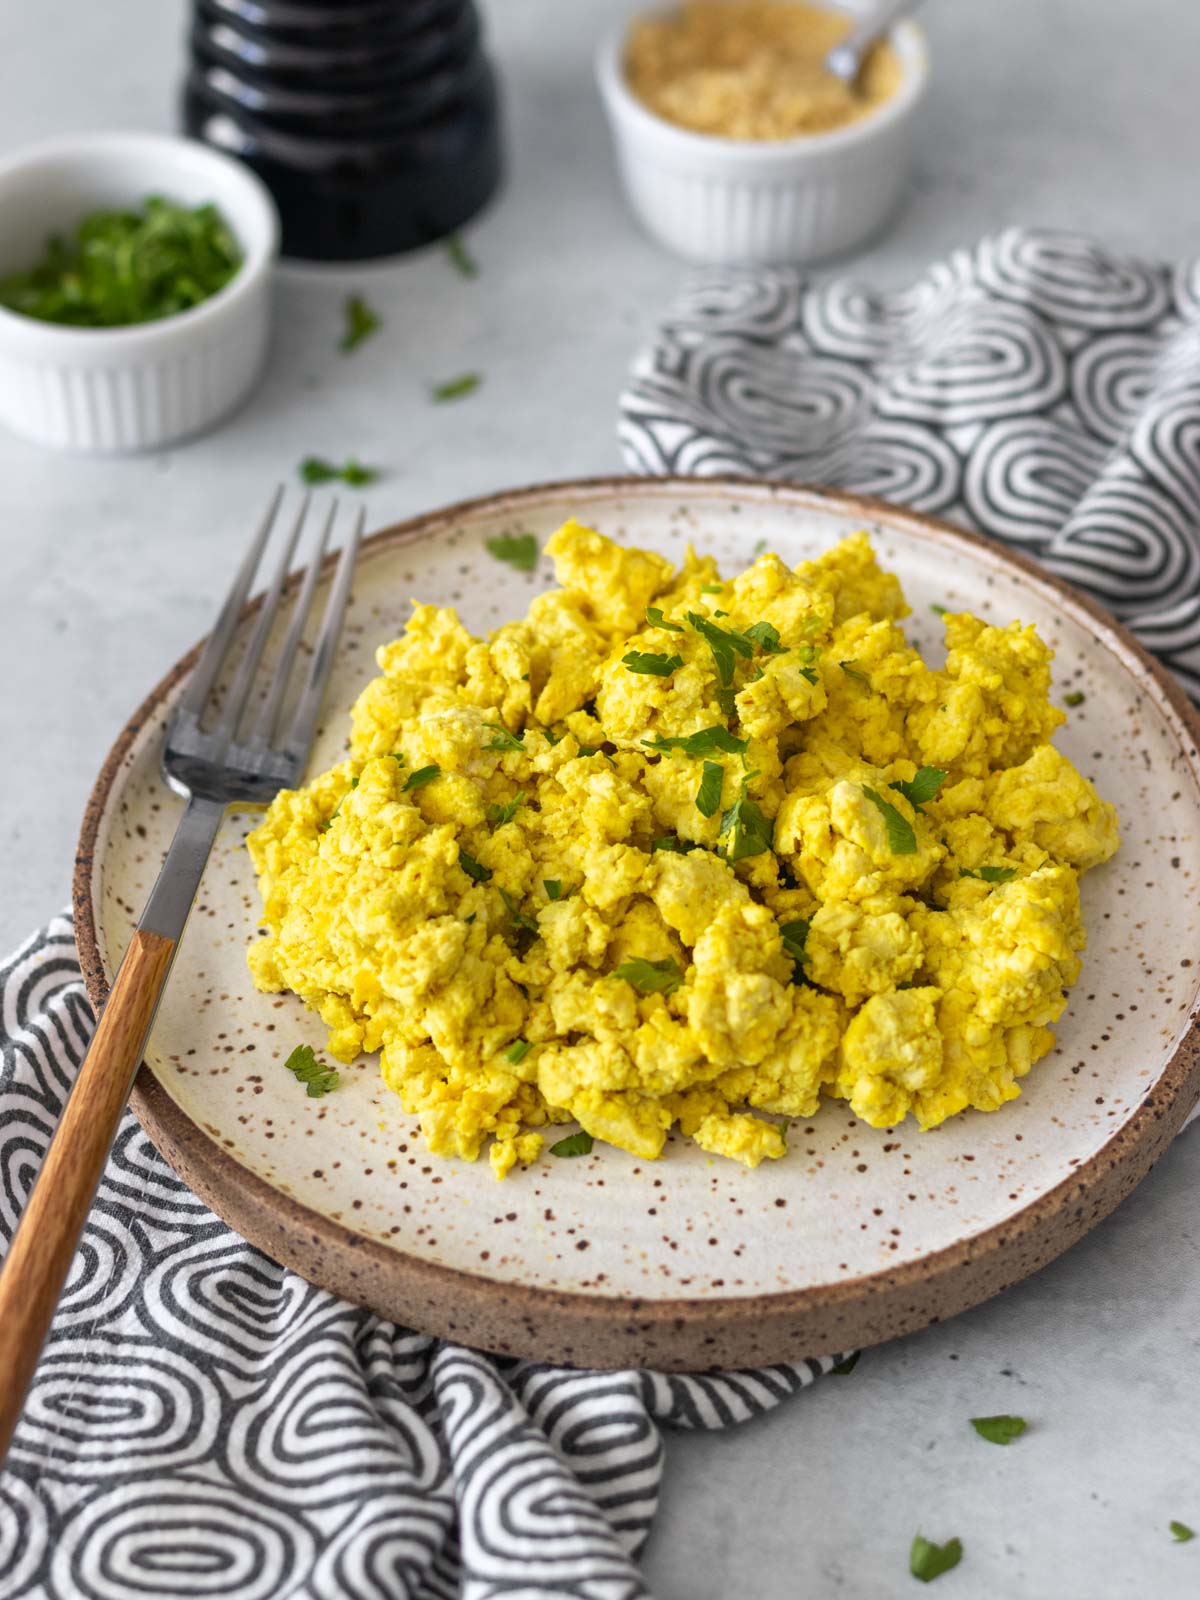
(687, 1262)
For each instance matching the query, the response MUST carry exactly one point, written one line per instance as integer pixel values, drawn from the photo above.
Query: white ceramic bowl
(112, 390)
(731, 201)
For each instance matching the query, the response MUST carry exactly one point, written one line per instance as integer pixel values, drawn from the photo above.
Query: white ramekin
(743, 201)
(112, 390)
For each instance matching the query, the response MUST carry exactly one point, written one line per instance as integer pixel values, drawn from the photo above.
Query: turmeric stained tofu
(674, 850)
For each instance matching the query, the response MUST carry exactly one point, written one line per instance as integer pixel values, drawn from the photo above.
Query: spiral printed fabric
(204, 1423)
(1037, 388)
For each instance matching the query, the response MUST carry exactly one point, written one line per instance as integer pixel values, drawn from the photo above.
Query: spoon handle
(845, 59)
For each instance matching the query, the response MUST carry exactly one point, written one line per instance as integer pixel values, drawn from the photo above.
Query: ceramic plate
(687, 1262)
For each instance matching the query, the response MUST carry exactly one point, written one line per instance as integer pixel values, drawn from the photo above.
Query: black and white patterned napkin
(205, 1424)
(1037, 388)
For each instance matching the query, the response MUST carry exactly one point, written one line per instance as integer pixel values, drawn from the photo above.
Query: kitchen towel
(206, 1424)
(1037, 388)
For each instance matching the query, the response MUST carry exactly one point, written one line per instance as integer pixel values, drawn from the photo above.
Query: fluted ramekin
(748, 201)
(117, 390)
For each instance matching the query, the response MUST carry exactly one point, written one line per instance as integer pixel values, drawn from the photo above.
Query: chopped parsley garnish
(498, 814)
(122, 267)
(759, 548)
(928, 1561)
(554, 889)
(673, 843)
(656, 619)
(589, 749)
(766, 637)
(723, 643)
(1075, 698)
(398, 757)
(461, 258)
(917, 791)
(516, 915)
(852, 671)
(519, 550)
(999, 1430)
(503, 740)
(708, 795)
(473, 869)
(575, 1144)
(361, 323)
(315, 469)
(517, 1051)
(712, 588)
(1180, 1532)
(704, 742)
(902, 841)
(843, 1368)
(456, 388)
(651, 664)
(794, 936)
(726, 700)
(939, 611)
(651, 977)
(306, 1069)
(989, 874)
(745, 831)
(419, 778)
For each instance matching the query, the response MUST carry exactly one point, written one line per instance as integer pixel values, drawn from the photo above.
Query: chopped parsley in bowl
(128, 266)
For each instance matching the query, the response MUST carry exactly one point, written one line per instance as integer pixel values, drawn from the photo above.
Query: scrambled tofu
(674, 850)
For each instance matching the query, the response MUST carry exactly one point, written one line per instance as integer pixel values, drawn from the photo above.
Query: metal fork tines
(213, 767)
(225, 763)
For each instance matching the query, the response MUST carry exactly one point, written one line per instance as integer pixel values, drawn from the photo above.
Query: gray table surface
(1079, 113)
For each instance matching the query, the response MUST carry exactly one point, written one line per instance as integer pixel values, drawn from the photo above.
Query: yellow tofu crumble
(678, 851)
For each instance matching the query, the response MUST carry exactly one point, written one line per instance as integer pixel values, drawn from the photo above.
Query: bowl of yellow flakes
(752, 880)
(736, 145)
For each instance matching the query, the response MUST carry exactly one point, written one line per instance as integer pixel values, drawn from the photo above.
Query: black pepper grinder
(374, 123)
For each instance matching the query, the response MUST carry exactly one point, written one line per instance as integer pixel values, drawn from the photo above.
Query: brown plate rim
(677, 1333)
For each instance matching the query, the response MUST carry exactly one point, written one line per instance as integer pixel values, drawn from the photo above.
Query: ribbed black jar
(374, 123)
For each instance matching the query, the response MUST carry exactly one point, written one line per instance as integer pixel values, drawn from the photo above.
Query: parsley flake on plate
(902, 841)
(745, 831)
(989, 874)
(1180, 1532)
(723, 643)
(704, 742)
(498, 814)
(503, 739)
(461, 259)
(795, 936)
(928, 1561)
(656, 619)
(673, 843)
(575, 1144)
(922, 788)
(306, 1069)
(315, 469)
(651, 664)
(708, 796)
(519, 550)
(651, 977)
(456, 388)
(766, 637)
(999, 1430)
(419, 778)
(1075, 698)
(473, 869)
(361, 323)
(516, 915)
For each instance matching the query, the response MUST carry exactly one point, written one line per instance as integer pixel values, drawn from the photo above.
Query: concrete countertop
(1075, 113)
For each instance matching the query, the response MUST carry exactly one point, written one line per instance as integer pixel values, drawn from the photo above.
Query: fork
(211, 769)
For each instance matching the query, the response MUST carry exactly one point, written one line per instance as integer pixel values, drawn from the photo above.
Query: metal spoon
(845, 59)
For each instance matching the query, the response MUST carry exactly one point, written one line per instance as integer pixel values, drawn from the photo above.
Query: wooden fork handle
(43, 1247)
